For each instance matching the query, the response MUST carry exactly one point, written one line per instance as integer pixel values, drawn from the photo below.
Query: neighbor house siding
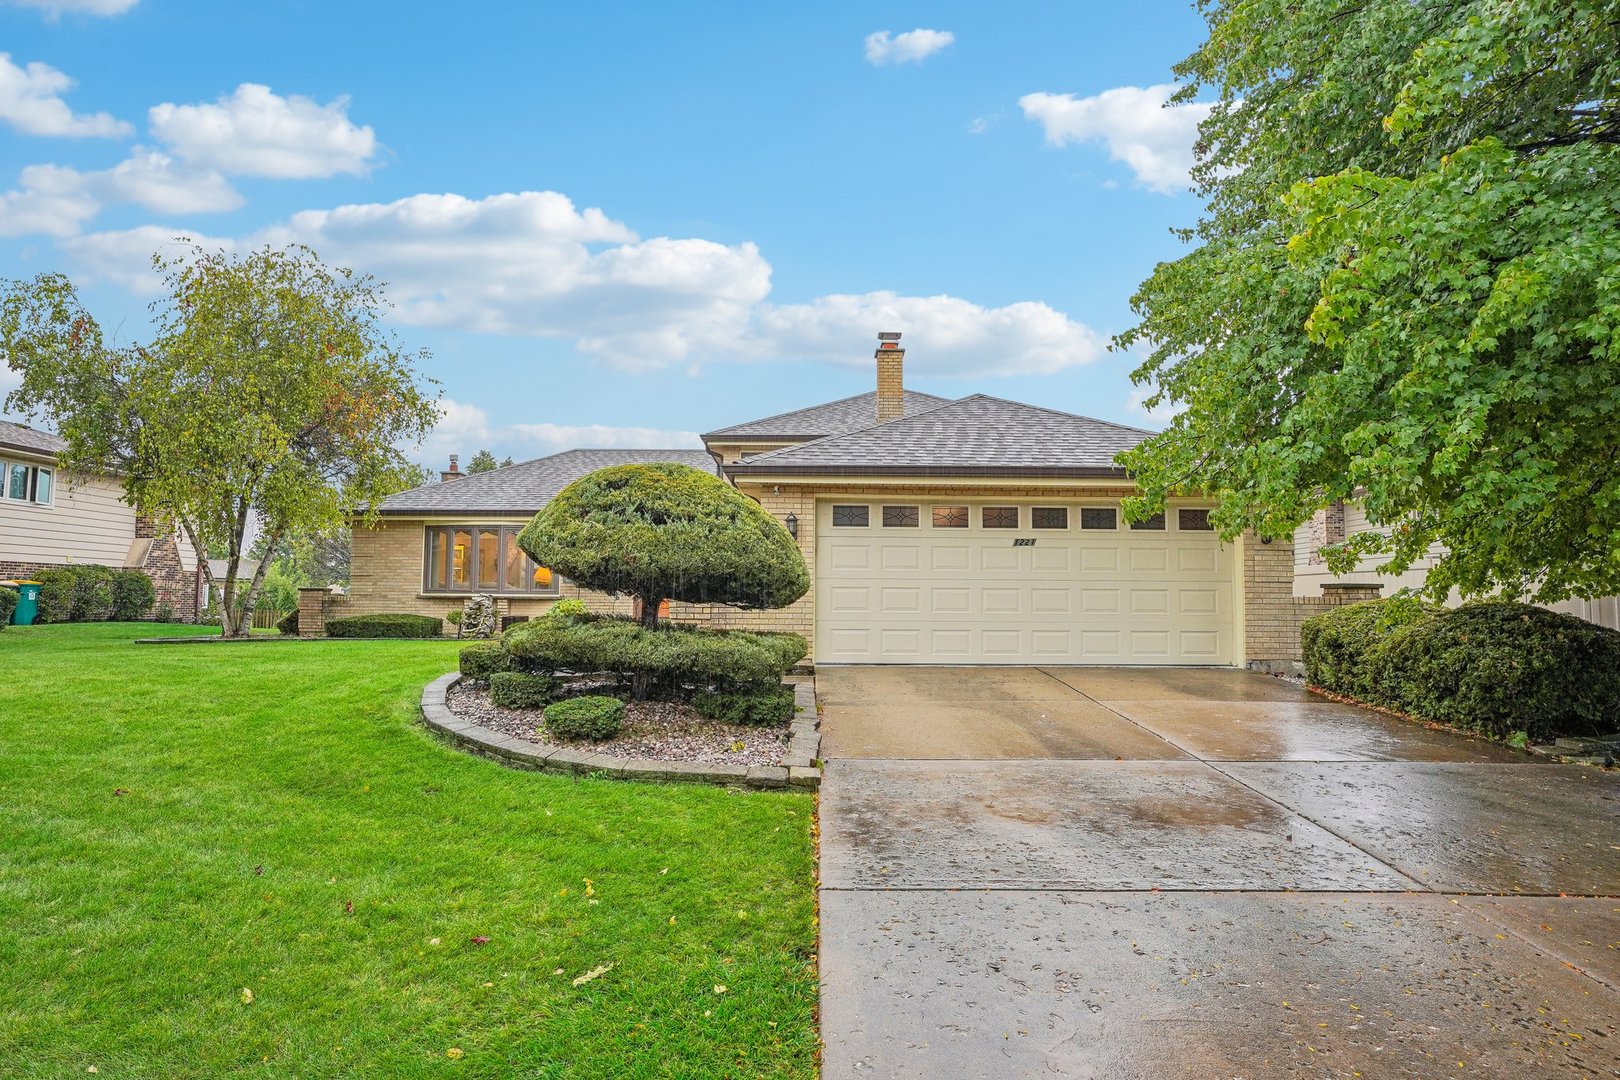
(87, 522)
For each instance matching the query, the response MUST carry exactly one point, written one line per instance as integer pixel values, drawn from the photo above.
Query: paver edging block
(804, 745)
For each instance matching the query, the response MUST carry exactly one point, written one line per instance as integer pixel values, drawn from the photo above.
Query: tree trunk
(641, 683)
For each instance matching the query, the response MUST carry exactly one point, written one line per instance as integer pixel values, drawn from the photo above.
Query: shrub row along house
(937, 531)
(49, 518)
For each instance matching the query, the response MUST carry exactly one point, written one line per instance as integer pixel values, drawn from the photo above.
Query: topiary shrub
(76, 593)
(8, 604)
(1497, 668)
(385, 626)
(132, 595)
(568, 608)
(288, 623)
(592, 718)
(758, 708)
(522, 690)
(1335, 643)
(669, 657)
(484, 659)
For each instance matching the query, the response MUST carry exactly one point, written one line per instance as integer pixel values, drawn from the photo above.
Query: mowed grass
(181, 823)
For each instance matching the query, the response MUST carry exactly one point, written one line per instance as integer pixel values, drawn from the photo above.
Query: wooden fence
(266, 618)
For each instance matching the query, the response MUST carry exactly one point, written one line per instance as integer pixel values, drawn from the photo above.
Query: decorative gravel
(659, 730)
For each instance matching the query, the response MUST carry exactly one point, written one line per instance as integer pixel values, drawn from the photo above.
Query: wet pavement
(1165, 873)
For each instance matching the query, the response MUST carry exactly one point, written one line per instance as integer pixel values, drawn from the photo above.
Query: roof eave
(1109, 472)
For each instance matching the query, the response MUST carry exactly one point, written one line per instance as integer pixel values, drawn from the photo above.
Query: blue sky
(616, 223)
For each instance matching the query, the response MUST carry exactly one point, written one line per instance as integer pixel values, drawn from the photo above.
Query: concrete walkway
(1121, 873)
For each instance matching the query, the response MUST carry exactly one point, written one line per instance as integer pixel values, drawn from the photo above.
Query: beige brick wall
(1272, 614)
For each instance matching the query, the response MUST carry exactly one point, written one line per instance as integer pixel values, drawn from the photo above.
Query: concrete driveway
(1110, 872)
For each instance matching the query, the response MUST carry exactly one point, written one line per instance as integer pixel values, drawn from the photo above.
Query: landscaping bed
(655, 730)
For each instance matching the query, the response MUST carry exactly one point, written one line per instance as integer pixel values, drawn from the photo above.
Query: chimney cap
(888, 335)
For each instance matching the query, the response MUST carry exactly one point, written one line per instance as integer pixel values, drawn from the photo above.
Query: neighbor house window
(1049, 517)
(1152, 524)
(901, 517)
(1000, 517)
(854, 517)
(1193, 520)
(465, 558)
(950, 517)
(27, 483)
(1099, 517)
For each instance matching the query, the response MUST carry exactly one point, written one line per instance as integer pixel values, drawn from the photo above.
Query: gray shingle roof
(833, 418)
(18, 437)
(976, 436)
(527, 486)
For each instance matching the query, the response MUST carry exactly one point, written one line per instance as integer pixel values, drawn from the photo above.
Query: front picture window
(464, 559)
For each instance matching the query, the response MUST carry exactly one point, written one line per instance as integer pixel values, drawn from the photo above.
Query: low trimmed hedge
(522, 690)
(760, 708)
(484, 659)
(385, 626)
(1499, 668)
(8, 604)
(87, 592)
(672, 655)
(288, 623)
(591, 718)
(1335, 644)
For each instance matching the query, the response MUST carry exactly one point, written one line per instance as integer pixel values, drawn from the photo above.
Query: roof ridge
(813, 408)
(943, 404)
(1057, 412)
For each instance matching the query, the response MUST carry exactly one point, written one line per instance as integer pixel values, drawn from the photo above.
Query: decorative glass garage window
(1000, 517)
(856, 517)
(1152, 524)
(467, 558)
(950, 517)
(1189, 519)
(1099, 517)
(902, 517)
(1049, 517)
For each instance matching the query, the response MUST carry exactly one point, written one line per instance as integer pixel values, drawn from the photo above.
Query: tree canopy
(667, 531)
(484, 461)
(271, 392)
(1406, 286)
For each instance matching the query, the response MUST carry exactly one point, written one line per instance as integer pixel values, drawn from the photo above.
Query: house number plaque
(1023, 541)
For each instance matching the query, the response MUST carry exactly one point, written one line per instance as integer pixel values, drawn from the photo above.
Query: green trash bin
(27, 602)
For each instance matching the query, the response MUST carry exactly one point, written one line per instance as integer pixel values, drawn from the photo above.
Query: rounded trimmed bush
(592, 718)
(81, 592)
(1498, 668)
(1335, 643)
(759, 708)
(8, 604)
(522, 689)
(288, 623)
(672, 655)
(133, 595)
(484, 659)
(666, 531)
(385, 626)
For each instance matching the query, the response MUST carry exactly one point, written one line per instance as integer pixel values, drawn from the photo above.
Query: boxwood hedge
(758, 708)
(385, 626)
(522, 690)
(591, 717)
(484, 659)
(1335, 643)
(8, 604)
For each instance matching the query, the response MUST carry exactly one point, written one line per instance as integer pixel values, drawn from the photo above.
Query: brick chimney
(453, 472)
(891, 391)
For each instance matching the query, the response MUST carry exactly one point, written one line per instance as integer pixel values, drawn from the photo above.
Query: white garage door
(948, 581)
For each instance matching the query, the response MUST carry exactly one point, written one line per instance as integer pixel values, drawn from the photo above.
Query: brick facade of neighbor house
(1272, 614)
(175, 587)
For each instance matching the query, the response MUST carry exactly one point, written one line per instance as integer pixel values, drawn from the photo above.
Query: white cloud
(533, 264)
(911, 47)
(1160, 414)
(125, 257)
(58, 200)
(1137, 125)
(55, 9)
(465, 429)
(31, 102)
(549, 438)
(255, 132)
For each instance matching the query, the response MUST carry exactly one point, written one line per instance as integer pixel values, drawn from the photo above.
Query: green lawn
(181, 823)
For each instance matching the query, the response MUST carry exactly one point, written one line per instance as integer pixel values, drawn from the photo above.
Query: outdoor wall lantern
(792, 523)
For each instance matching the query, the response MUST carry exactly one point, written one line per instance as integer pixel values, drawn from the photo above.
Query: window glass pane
(438, 558)
(42, 491)
(461, 557)
(1000, 517)
(17, 486)
(1099, 517)
(950, 517)
(852, 516)
(901, 517)
(489, 559)
(1152, 524)
(1049, 517)
(517, 564)
(1191, 520)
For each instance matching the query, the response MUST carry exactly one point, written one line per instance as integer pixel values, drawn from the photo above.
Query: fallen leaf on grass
(348, 907)
(120, 791)
(247, 996)
(719, 988)
(479, 940)
(455, 1053)
(595, 972)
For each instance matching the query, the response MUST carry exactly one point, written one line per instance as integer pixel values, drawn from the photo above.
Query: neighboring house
(937, 531)
(1334, 524)
(211, 597)
(50, 518)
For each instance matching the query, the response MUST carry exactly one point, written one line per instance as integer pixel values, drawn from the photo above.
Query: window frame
(32, 471)
(1036, 511)
(1114, 528)
(445, 534)
(864, 508)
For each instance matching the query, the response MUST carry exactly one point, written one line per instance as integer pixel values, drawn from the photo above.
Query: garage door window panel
(1099, 517)
(1049, 517)
(1193, 519)
(851, 516)
(950, 517)
(1152, 524)
(999, 517)
(902, 517)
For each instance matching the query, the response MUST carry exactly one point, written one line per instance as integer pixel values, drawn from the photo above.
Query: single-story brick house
(52, 518)
(937, 531)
